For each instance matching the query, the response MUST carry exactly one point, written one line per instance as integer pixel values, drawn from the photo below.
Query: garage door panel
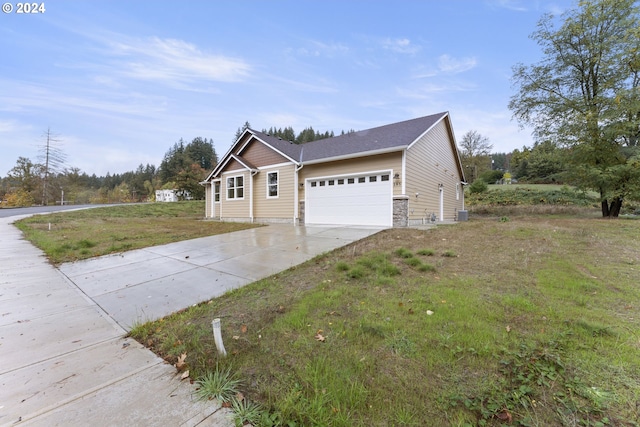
(358, 203)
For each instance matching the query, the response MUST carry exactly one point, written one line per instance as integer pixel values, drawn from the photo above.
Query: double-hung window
(272, 185)
(235, 187)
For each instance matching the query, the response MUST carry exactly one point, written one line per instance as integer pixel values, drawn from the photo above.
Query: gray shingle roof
(384, 138)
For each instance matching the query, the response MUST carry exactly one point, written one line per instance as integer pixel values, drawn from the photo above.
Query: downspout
(252, 173)
(404, 172)
(296, 198)
(462, 184)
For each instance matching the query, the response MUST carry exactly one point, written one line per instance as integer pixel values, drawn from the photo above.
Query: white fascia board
(226, 156)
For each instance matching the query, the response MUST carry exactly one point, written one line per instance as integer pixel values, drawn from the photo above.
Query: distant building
(172, 195)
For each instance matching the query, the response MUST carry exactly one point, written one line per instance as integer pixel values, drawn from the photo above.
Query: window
(373, 178)
(362, 179)
(272, 184)
(384, 178)
(351, 180)
(331, 182)
(235, 187)
(322, 183)
(340, 181)
(216, 191)
(313, 183)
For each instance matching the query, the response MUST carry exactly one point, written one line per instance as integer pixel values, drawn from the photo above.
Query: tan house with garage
(401, 174)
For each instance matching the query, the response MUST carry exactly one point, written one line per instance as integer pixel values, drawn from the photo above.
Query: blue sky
(119, 82)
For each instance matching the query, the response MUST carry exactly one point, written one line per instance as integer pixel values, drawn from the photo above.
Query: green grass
(71, 236)
(533, 320)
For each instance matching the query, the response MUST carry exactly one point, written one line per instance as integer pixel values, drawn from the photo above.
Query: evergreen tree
(240, 130)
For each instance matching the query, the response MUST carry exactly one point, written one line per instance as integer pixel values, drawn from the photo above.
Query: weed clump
(403, 253)
(426, 252)
(220, 384)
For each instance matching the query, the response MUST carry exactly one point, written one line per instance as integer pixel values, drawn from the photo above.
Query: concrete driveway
(148, 284)
(64, 358)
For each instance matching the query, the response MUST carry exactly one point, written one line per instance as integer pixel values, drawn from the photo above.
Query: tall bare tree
(474, 153)
(52, 159)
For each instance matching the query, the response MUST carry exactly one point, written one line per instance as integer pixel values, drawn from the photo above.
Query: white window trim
(277, 185)
(235, 187)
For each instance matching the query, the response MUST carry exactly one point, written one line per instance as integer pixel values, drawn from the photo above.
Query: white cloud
(402, 45)
(427, 90)
(8, 125)
(316, 48)
(175, 60)
(449, 64)
(515, 5)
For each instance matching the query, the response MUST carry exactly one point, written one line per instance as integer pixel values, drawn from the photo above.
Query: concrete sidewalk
(63, 358)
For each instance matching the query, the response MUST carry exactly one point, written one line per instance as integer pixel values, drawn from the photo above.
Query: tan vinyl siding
(429, 163)
(235, 208)
(389, 161)
(283, 205)
(260, 155)
(232, 165)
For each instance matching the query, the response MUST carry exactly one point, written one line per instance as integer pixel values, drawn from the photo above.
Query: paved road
(11, 212)
(64, 358)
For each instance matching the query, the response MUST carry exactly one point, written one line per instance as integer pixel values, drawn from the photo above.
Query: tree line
(40, 182)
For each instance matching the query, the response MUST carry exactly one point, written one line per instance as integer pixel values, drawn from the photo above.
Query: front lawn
(529, 320)
(75, 235)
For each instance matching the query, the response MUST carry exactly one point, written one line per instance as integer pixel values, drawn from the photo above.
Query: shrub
(491, 176)
(478, 186)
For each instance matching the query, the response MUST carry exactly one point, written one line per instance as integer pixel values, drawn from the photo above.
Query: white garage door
(364, 199)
